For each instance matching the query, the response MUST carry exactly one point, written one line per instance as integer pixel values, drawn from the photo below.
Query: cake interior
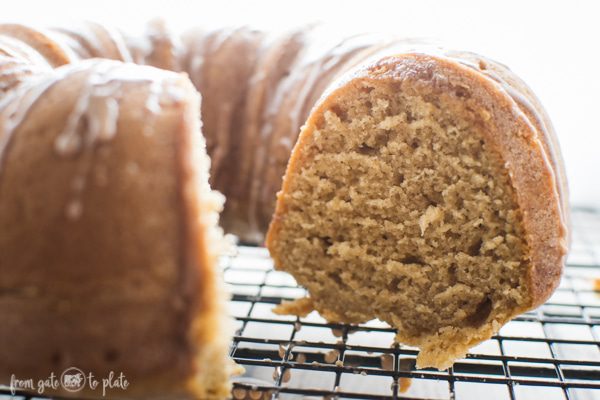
(399, 210)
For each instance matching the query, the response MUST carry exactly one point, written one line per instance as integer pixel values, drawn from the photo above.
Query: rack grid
(552, 352)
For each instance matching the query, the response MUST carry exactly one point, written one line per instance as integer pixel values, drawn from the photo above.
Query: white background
(553, 45)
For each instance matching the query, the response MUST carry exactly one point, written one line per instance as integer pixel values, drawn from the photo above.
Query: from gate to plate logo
(71, 380)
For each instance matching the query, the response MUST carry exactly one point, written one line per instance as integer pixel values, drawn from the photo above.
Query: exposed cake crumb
(387, 362)
(239, 393)
(301, 359)
(258, 395)
(337, 332)
(299, 307)
(281, 350)
(331, 356)
(287, 375)
(405, 365)
(403, 384)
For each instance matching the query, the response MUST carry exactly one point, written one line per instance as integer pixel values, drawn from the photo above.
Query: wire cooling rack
(552, 352)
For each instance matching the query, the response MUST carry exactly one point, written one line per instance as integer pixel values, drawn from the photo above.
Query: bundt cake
(425, 189)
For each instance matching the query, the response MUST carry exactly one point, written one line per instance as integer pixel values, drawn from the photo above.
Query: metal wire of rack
(552, 352)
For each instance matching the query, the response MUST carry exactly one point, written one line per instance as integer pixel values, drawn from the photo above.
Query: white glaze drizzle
(97, 104)
(15, 105)
(119, 41)
(20, 51)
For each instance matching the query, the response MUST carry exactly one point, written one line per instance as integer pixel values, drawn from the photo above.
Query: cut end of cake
(210, 329)
(396, 205)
